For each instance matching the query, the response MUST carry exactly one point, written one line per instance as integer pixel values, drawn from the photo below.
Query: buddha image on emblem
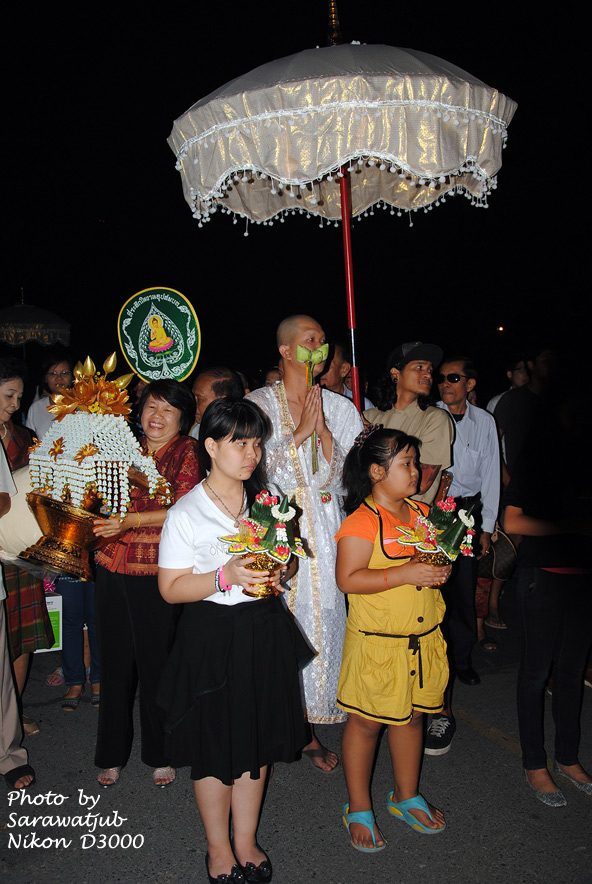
(159, 334)
(159, 340)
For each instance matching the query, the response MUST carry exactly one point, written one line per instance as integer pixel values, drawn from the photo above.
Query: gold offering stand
(432, 557)
(249, 543)
(263, 562)
(68, 538)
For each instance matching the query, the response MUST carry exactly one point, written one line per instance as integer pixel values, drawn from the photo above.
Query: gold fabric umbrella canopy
(411, 127)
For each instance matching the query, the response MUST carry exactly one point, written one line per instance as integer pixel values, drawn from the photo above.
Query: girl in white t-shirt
(231, 686)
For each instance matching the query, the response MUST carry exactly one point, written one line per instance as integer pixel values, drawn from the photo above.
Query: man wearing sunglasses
(475, 482)
(411, 366)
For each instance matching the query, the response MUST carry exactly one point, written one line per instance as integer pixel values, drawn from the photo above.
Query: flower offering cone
(451, 538)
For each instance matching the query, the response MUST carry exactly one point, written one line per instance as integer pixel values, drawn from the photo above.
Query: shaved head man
(291, 326)
(296, 412)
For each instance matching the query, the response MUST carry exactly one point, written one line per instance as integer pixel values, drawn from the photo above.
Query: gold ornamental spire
(334, 31)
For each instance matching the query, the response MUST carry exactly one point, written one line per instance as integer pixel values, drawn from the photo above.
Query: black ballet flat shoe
(260, 874)
(235, 877)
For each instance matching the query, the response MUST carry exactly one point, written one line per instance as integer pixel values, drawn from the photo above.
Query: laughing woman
(134, 625)
(231, 684)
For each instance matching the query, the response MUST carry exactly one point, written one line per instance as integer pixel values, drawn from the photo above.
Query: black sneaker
(440, 732)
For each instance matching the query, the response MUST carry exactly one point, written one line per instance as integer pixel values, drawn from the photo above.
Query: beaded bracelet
(219, 583)
(224, 586)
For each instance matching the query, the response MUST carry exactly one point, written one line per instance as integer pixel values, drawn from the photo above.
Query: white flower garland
(106, 470)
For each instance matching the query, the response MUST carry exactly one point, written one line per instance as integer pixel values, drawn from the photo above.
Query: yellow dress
(394, 654)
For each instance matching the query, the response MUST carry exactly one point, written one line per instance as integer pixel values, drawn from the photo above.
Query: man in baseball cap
(411, 366)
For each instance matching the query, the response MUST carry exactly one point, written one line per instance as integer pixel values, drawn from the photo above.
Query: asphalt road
(497, 832)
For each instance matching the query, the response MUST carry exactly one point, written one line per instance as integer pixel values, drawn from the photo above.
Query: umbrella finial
(334, 33)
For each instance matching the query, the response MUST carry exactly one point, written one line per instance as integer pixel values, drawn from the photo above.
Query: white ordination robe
(314, 599)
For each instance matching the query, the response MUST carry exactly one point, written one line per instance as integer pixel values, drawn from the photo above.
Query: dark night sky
(96, 210)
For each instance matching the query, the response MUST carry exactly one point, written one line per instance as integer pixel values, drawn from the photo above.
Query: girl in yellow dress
(394, 665)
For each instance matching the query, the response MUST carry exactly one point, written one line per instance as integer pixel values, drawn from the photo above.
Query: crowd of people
(231, 684)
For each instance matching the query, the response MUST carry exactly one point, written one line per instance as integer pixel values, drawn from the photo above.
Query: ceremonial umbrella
(23, 322)
(286, 137)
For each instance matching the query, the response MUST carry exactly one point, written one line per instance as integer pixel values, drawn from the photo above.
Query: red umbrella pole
(349, 284)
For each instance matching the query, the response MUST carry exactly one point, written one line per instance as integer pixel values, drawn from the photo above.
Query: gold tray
(68, 539)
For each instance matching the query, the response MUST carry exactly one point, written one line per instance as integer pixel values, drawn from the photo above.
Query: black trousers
(135, 629)
(556, 621)
(460, 620)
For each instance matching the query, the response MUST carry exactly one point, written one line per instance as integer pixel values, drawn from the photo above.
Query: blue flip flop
(366, 818)
(401, 812)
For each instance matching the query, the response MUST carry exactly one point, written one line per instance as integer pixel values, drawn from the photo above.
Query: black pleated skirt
(231, 689)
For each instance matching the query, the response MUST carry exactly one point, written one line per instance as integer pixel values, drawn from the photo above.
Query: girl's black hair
(380, 447)
(176, 395)
(235, 419)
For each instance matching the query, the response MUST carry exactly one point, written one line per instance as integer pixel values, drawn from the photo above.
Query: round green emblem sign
(159, 334)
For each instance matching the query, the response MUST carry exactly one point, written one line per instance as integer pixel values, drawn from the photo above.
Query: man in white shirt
(517, 374)
(475, 482)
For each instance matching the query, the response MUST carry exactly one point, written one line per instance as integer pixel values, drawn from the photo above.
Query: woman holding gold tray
(230, 686)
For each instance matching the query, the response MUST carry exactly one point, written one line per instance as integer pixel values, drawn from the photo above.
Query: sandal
(365, 818)
(30, 726)
(495, 622)
(55, 678)
(17, 773)
(488, 644)
(164, 773)
(109, 773)
(401, 810)
(69, 704)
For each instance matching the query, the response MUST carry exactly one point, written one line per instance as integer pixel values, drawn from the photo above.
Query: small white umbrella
(409, 127)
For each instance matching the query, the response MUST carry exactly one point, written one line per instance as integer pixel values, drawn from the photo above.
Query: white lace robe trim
(314, 599)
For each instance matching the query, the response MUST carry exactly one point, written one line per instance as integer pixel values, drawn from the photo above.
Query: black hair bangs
(250, 425)
(234, 419)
